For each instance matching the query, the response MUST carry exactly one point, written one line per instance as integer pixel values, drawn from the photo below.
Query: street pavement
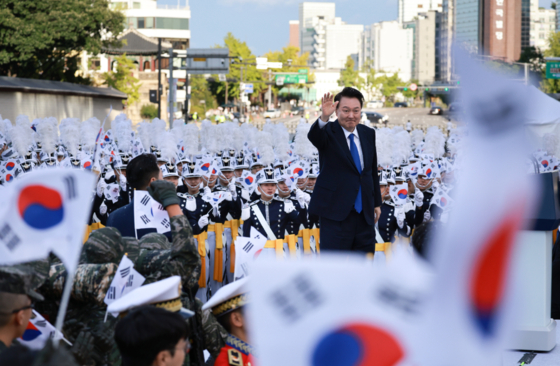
(417, 116)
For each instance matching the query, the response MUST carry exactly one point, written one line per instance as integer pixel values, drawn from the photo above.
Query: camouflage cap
(131, 247)
(154, 241)
(16, 281)
(103, 246)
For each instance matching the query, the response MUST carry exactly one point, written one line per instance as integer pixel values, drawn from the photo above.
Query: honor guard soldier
(228, 305)
(425, 193)
(269, 215)
(197, 210)
(170, 173)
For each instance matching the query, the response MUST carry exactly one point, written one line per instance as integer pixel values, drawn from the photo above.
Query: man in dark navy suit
(140, 173)
(346, 196)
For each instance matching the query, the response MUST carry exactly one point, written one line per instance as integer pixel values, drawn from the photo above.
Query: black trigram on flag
(145, 219)
(111, 293)
(247, 248)
(125, 272)
(41, 323)
(145, 200)
(165, 223)
(70, 187)
(130, 281)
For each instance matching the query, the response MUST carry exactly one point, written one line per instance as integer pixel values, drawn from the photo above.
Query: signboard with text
(290, 79)
(553, 70)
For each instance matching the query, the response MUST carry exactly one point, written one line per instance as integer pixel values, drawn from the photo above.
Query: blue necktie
(356, 157)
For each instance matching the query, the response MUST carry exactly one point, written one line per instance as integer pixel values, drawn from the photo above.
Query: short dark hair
(225, 319)
(349, 92)
(141, 170)
(146, 331)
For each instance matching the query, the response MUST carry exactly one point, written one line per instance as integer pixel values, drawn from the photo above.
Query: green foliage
(148, 111)
(123, 80)
(250, 72)
(551, 85)
(289, 53)
(200, 91)
(349, 76)
(44, 39)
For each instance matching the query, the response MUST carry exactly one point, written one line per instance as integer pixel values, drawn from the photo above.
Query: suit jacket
(123, 220)
(339, 180)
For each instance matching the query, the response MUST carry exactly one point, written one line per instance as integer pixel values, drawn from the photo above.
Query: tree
(148, 111)
(44, 39)
(551, 85)
(123, 80)
(291, 62)
(349, 76)
(201, 96)
(241, 54)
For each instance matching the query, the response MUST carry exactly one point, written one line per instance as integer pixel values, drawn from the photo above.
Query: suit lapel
(339, 133)
(363, 142)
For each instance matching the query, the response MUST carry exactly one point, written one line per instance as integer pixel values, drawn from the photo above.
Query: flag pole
(63, 305)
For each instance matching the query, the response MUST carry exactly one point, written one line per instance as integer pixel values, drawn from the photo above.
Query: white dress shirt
(347, 134)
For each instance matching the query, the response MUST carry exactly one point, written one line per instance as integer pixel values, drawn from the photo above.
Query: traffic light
(427, 89)
(446, 89)
(405, 88)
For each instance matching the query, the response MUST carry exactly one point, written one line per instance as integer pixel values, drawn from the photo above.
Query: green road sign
(303, 71)
(553, 70)
(282, 79)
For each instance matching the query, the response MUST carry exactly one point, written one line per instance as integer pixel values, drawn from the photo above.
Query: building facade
(388, 58)
(426, 67)
(408, 10)
(543, 23)
(294, 34)
(447, 34)
(342, 40)
(169, 22)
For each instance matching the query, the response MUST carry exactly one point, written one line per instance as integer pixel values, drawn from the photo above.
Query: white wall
(393, 48)
(409, 9)
(342, 41)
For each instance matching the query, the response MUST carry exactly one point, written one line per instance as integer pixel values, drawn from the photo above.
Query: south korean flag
(126, 279)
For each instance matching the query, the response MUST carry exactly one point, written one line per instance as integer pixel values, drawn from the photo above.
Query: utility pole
(171, 89)
(159, 79)
(186, 108)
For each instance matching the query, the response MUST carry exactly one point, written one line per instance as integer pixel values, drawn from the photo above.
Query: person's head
(267, 190)
(283, 190)
(211, 182)
(411, 186)
(311, 183)
(151, 336)
(385, 192)
(449, 177)
(302, 183)
(256, 168)
(226, 177)
(193, 184)
(238, 172)
(423, 183)
(143, 170)
(173, 179)
(349, 108)
(234, 321)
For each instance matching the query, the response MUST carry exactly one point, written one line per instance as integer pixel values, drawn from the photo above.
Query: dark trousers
(351, 234)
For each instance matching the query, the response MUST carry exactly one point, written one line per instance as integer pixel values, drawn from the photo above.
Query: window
(119, 6)
(140, 23)
(541, 35)
(149, 23)
(135, 5)
(132, 22)
(172, 23)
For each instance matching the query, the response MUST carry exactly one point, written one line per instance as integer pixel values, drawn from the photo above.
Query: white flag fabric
(126, 279)
(470, 314)
(442, 199)
(45, 210)
(248, 181)
(150, 214)
(38, 332)
(337, 311)
(399, 194)
(246, 251)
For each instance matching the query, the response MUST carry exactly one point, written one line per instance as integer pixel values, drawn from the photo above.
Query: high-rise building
(447, 34)
(543, 23)
(169, 22)
(425, 66)
(526, 23)
(409, 9)
(388, 58)
(328, 39)
(490, 27)
(294, 33)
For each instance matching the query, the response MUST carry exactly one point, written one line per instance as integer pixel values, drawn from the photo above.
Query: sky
(263, 24)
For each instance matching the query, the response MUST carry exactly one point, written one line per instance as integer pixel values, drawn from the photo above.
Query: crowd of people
(174, 202)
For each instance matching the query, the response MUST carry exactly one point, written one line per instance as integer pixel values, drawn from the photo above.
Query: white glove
(427, 216)
(207, 191)
(103, 209)
(245, 212)
(203, 221)
(288, 206)
(400, 217)
(122, 182)
(228, 196)
(101, 185)
(419, 198)
(232, 189)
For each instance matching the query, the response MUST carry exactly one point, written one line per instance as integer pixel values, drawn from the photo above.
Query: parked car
(400, 105)
(297, 110)
(271, 113)
(374, 117)
(374, 104)
(436, 111)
